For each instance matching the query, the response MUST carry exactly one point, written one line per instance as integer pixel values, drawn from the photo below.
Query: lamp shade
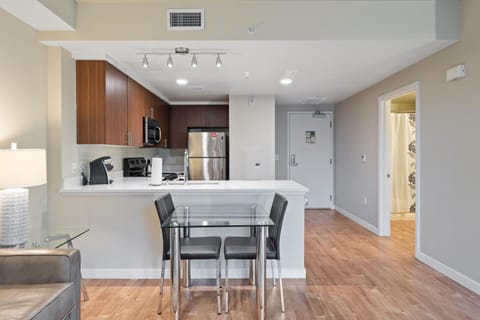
(22, 168)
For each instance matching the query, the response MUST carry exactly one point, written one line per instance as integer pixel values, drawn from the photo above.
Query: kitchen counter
(142, 186)
(125, 239)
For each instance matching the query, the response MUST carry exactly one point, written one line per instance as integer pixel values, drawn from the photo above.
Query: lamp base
(13, 216)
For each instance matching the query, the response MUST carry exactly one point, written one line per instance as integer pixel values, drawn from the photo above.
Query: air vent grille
(314, 100)
(186, 19)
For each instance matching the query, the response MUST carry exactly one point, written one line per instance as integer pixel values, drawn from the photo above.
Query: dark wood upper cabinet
(178, 127)
(217, 116)
(111, 107)
(184, 117)
(101, 103)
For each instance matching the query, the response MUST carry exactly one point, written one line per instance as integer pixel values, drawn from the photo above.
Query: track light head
(145, 61)
(170, 61)
(218, 62)
(194, 63)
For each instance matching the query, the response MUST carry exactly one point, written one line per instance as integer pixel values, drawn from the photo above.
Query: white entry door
(310, 155)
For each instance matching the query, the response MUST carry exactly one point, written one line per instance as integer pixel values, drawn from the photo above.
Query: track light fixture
(170, 61)
(194, 63)
(182, 51)
(145, 61)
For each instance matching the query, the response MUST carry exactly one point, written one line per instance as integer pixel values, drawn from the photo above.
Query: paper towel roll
(156, 177)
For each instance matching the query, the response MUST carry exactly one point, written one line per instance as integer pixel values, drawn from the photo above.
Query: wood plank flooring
(351, 274)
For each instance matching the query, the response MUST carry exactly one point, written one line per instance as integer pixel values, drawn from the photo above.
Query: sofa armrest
(32, 266)
(36, 266)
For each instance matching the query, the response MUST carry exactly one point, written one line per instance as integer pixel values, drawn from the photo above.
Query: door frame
(332, 183)
(384, 194)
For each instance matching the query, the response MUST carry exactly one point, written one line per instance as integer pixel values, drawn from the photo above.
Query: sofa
(40, 284)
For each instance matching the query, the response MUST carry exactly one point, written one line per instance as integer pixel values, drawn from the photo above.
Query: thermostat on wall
(455, 73)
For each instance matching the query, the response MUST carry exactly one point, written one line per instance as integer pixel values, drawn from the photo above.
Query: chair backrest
(277, 213)
(165, 208)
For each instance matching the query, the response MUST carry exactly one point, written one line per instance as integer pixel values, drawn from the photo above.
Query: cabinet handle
(151, 112)
(129, 138)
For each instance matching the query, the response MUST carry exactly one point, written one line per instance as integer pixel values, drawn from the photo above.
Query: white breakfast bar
(125, 239)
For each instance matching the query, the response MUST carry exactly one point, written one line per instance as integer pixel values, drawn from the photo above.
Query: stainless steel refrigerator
(207, 154)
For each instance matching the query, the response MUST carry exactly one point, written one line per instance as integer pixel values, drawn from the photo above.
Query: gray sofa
(39, 284)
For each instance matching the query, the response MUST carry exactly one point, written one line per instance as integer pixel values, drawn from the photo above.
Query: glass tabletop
(218, 216)
(53, 238)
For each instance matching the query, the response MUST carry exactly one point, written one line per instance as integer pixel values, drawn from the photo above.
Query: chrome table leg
(175, 272)
(260, 274)
(186, 264)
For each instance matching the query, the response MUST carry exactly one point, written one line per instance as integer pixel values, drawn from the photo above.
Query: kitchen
(333, 59)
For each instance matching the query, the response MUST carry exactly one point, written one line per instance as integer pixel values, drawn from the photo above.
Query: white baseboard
(358, 220)
(449, 272)
(202, 273)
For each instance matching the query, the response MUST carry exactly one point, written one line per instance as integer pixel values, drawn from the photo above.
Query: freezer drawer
(207, 168)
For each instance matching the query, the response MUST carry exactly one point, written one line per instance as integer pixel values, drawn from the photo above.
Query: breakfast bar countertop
(142, 186)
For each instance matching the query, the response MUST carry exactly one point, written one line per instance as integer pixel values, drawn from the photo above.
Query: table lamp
(18, 169)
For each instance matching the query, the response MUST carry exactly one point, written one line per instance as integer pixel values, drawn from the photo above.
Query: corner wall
(450, 155)
(23, 97)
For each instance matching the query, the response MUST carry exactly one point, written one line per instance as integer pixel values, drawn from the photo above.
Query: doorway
(310, 152)
(399, 164)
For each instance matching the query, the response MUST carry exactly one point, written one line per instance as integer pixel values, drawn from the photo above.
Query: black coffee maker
(99, 169)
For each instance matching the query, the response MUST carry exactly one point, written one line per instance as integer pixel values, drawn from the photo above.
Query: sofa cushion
(36, 301)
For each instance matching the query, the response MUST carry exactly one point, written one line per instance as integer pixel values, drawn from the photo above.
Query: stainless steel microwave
(152, 133)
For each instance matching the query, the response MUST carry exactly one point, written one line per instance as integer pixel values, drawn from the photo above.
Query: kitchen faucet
(185, 167)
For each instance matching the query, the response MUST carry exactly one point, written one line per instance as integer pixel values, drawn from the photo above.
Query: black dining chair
(245, 248)
(194, 248)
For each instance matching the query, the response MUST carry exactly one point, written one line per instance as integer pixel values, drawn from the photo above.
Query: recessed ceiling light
(286, 81)
(182, 81)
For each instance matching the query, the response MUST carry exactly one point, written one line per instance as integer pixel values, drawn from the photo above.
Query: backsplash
(172, 158)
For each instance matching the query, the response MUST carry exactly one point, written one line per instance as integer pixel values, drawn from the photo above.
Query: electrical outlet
(74, 167)
(365, 200)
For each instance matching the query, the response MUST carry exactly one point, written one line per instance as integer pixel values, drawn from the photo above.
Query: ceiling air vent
(185, 19)
(314, 101)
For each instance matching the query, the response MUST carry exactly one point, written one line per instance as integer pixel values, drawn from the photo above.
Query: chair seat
(245, 248)
(201, 248)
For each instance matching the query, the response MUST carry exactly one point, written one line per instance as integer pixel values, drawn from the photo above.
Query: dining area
(260, 246)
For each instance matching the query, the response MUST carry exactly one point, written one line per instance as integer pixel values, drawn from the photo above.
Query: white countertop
(142, 186)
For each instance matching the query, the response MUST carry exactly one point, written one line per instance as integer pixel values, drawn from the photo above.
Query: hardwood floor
(351, 274)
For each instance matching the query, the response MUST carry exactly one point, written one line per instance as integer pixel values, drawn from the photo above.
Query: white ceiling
(331, 69)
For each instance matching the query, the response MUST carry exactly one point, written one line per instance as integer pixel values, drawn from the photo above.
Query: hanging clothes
(403, 162)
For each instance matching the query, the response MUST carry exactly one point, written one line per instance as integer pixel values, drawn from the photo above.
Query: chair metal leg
(219, 298)
(273, 273)
(252, 276)
(162, 276)
(226, 286)
(279, 266)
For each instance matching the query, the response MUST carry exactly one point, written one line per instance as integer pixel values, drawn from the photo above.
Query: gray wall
(450, 154)
(281, 135)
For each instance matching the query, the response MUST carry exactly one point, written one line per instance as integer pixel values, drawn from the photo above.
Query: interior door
(310, 156)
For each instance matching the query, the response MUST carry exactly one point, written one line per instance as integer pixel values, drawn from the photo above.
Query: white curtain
(402, 167)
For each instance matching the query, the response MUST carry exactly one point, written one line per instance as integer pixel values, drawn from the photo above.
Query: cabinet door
(217, 116)
(116, 125)
(197, 116)
(90, 102)
(136, 111)
(178, 127)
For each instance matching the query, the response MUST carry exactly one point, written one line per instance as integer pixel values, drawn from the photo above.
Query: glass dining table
(254, 217)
